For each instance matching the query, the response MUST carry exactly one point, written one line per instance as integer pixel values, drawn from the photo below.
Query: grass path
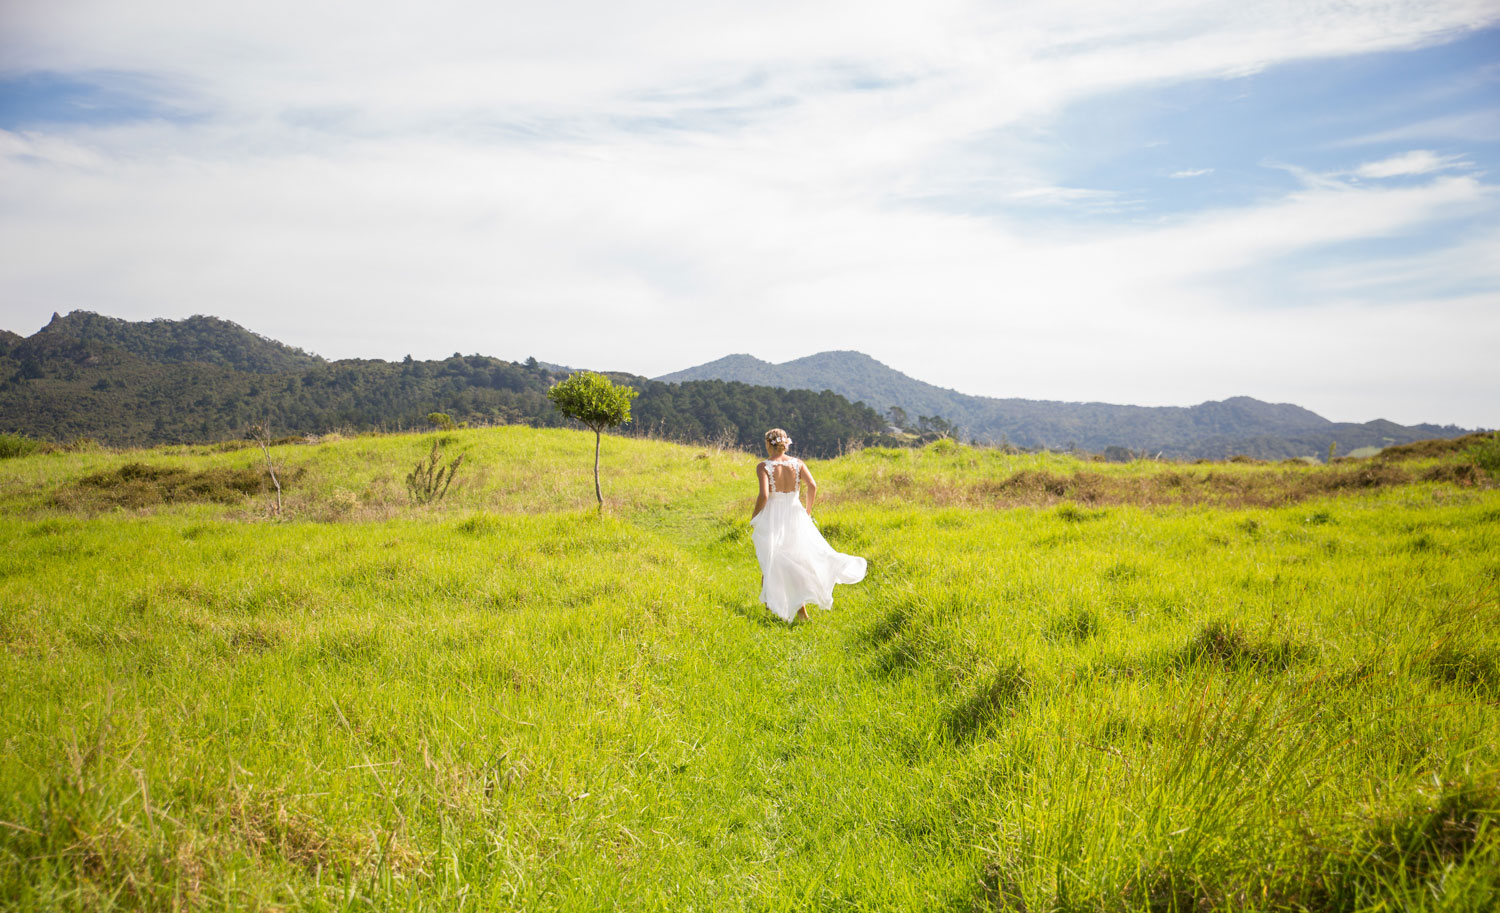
(822, 744)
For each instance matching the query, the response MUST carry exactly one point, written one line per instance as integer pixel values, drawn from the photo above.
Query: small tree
(261, 434)
(596, 402)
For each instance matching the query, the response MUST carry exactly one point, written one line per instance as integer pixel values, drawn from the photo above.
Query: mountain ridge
(1213, 429)
(205, 378)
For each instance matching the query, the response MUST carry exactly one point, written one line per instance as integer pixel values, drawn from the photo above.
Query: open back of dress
(786, 475)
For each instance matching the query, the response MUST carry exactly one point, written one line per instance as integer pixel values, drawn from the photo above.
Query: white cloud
(646, 186)
(1191, 173)
(1062, 194)
(1418, 161)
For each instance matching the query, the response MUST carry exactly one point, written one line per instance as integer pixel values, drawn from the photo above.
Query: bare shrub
(261, 434)
(429, 480)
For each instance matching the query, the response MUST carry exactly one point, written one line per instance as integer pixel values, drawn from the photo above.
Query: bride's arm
(765, 489)
(812, 487)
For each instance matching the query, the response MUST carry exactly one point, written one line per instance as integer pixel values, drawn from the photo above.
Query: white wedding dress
(798, 567)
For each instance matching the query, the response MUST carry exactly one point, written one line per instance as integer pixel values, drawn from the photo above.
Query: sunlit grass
(508, 700)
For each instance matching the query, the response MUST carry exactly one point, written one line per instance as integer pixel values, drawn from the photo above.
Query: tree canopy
(593, 400)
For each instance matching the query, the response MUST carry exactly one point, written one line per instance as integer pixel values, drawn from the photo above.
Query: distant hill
(202, 379)
(1213, 430)
(198, 339)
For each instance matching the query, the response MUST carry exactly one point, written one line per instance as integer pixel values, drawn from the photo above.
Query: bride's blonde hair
(778, 438)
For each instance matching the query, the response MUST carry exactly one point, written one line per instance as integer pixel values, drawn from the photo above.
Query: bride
(797, 566)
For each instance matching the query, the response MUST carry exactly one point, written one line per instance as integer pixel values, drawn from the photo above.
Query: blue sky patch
(40, 99)
(1213, 143)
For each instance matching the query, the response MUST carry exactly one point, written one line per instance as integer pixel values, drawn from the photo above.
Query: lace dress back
(785, 474)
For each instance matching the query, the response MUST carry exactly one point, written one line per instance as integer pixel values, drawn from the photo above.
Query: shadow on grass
(894, 655)
(1076, 626)
(754, 611)
(996, 700)
(1420, 843)
(1216, 644)
(889, 627)
(1223, 645)
(1393, 859)
(1478, 669)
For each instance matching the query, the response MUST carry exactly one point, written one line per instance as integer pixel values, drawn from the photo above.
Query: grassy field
(1064, 685)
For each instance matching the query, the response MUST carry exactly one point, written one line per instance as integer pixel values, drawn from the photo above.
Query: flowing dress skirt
(797, 565)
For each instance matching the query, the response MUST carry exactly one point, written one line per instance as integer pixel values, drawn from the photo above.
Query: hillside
(1211, 430)
(198, 339)
(204, 379)
(1063, 685)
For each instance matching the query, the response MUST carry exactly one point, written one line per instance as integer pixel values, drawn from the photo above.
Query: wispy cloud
(1063, 195)
(1418, 161)
(1471, 126)
(1191, 173)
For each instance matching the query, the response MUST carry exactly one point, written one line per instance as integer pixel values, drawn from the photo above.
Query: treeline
(57, 386)
(822, 423)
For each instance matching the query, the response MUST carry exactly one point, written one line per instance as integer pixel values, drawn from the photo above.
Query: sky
(1156, 203)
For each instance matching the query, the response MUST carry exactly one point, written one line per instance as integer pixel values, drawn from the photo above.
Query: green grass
(506, 700)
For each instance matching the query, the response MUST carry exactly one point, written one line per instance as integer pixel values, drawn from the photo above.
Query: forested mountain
(1213, 429)
(198, 339)
(205, 379)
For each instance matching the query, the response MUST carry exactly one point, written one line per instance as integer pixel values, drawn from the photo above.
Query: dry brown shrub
(136, 485)
(1465, 475)
(1265, 488)
(1421, 450)
(1033, 483)
(1361, 477)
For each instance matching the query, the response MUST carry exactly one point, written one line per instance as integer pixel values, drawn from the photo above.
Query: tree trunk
(597, 493)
